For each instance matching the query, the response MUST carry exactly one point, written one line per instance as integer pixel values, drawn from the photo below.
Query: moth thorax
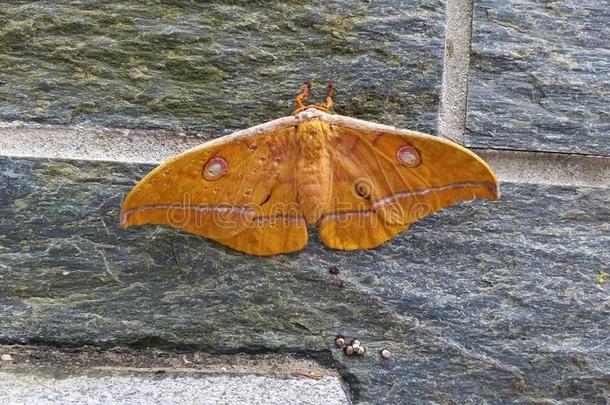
(312, 137)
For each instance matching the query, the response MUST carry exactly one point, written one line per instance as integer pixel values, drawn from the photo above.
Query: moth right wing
(385, 179)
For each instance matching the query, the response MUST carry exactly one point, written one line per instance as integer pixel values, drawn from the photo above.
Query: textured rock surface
(489, 301)
(217, 66)
(540, 76)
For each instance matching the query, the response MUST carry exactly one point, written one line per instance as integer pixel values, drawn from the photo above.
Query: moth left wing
(238, 190)
(384, 179)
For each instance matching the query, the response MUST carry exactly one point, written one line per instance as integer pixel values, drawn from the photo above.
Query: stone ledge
(43, 374)
(89, 358)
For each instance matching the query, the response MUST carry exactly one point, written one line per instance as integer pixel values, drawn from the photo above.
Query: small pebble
(361, 350)
(386, 354)
(6, 357)
(339, 342)
(355, 342)
(349, 350)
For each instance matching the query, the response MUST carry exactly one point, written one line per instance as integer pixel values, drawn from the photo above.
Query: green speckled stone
(540, 76)
(218, 66)
(495, 302)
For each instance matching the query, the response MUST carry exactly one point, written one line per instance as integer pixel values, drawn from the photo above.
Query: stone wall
(486, 302)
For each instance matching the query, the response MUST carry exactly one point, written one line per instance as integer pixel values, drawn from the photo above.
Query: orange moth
(258, 189)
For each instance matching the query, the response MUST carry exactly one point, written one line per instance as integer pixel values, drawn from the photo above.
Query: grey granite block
(498, 302)
(218, 66)
(46, 388)
(540, 76)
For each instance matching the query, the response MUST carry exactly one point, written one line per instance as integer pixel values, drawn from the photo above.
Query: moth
(258, 190)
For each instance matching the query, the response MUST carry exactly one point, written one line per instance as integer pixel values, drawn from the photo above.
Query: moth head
(303, 96)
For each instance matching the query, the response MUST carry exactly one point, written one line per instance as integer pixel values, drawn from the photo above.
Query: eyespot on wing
(214, 169)
(408, 156)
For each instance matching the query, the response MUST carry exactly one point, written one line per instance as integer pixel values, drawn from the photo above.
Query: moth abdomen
(314, 169)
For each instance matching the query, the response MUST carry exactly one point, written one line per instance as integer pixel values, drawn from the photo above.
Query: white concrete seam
(456, 65)
(140, 146)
